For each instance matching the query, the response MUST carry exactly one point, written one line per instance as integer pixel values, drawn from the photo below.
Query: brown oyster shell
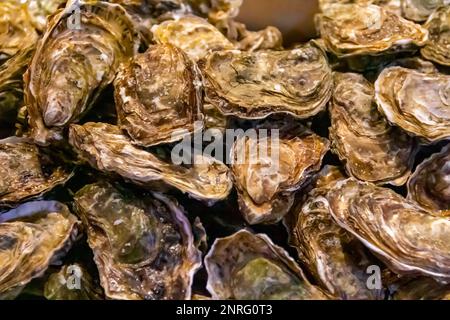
(335, 258)
(353, 29)
(41, 10)
(421, 288)
(420, 10)
(415, 101)
(106, 148)
(247, 266)
(193, 35)
(32, 236)
(437, 48)
(143, 247)
(73, 63)
(26, 172)
(389, 5)
(253, 85)
(429, 186)
(158, 96)
(266, 180)
(408, 238)
(371, 149)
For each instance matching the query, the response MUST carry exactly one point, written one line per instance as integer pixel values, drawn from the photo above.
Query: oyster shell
(106, 148)
(77, 57)
(246, 266)
(158, 96)
(254, 85)
(16, 29)
(143, 246)
(268, 169)
(389, 5)
(371, 149)
(353, 29)
(437, 48)
(26, 172)
(429, 185)
(40, 10)
(415, 101)
(194, 35)
(422, 288)
(72, 282)
(216, 10)
(408, 238)
(420, 10)
(32, 236)
(336, 259)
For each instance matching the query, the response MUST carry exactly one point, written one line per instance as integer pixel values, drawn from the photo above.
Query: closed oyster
(143, 246)
(429, 185)
(411, 240)
(268, 169)
(77, 57)
(26, 171)
(194, 35)
(72, 282)
(253, 85)
(159, 96)
(16, 29)
(371, 149)
(422, 288)
(353, 29)
(437, 48)
(32, 236)
(415, 101)
(336, 259)
(11, 84)
(246, 266)
(106, 148)
(420, 10)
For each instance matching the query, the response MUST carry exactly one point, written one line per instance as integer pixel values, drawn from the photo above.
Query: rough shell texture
(429, 185)
(216, 10)
(415, 101)
(16, 29)
(336, 259)
(371, 149)
(74, 61)
(254, 85)
(267, 170)
(143, 247)
(72, 282)
(194, 35)
(32, 236)
(408, 238)
(251, 267)
(422, 288)
(438, 46)
(158, 96)
(389, 5)
(420, 10)
(352, 29)
(40, 10)
(26, 172)
(106, 148)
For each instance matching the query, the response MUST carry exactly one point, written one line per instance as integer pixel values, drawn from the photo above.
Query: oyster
(429, 185)
(268, 169)
(26, 171)
(77, 57)
(16, 29)
(415, 101)
(106, 148)
(40, 10)
(72, 282)
(246, 266)
(216, 10)
(159, 96)
(411, 240)
(254, 85)
(420, 10)
(353, 29)
(422, 288)
(371, 149)
(32, 236)
(437, 48)
(143, 246)
(11, 84)
(193, 35)
(389, 5)
(336, 259)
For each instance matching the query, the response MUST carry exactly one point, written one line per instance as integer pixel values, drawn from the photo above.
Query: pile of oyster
(158, 149)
